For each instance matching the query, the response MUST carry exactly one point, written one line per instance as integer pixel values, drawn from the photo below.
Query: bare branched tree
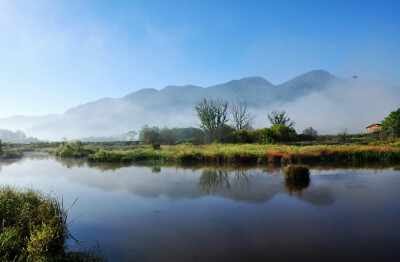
(280, 117)
(132, 134)
(241, 118)
(343, 135)
(213, 114)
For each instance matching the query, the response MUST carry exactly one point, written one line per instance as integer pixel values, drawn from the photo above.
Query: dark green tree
(1, 147)
(391, 124)
(280, 118)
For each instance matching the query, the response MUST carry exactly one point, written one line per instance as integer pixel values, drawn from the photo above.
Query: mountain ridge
(171, 105)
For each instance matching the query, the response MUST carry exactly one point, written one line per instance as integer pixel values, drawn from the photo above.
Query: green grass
(254, 153)
(34, 228)
(387, 151)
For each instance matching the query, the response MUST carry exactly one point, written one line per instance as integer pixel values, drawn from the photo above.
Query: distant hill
(170, 106)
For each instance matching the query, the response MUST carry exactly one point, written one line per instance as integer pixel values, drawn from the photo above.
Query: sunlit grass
(254, 153)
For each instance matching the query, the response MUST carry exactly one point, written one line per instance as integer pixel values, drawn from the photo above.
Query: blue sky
(58, 54)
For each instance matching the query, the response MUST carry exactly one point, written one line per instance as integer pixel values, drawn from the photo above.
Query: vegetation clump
(34, 228)
(297, 172)
(72, 149)
(156, 146)
(8, 154)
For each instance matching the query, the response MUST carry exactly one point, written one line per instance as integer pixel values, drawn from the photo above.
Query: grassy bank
(34, 228)
(122, 152)
(10, 155)
(254, 153)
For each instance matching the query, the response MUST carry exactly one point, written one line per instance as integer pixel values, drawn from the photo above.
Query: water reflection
(156, 169)
(222, 213)
(297, 186)
(218, 181)
(239, 183)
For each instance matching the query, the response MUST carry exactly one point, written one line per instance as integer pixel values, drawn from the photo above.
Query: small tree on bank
(131, 135)
(280, 118)
(213, 114)
(149, 135)
(1, 147)
(343, 136)
(309, 133)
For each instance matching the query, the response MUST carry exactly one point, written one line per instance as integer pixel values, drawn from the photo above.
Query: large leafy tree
(391, 124)
(213, 114)
(280, 118)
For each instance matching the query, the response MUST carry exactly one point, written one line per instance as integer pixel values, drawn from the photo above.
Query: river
(167, 213)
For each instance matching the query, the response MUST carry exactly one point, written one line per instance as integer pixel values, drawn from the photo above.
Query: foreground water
(221, 214)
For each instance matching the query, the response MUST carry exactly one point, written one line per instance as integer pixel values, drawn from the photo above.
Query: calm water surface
(215, 214)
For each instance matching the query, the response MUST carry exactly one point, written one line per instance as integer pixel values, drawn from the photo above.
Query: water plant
(297, 172)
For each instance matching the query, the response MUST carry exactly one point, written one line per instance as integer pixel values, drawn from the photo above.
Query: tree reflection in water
(217, 181)
(297, 186)
(155, 169)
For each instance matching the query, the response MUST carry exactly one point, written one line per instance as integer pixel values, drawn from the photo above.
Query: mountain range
(171, 106)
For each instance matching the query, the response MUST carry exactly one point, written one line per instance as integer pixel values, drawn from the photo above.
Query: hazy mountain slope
(313, 81)
(173, 105)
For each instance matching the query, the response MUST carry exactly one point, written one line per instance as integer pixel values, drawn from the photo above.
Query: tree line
(224, 122)
(232, 122)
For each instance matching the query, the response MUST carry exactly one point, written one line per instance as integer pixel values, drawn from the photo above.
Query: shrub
(242, 136)
(297, 172)
(106, 156)
(282, 133)
(72, 149)
(156, 146)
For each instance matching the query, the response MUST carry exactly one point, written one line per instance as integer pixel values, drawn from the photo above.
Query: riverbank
(10, 155)
(254, 154)
(122, 152)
